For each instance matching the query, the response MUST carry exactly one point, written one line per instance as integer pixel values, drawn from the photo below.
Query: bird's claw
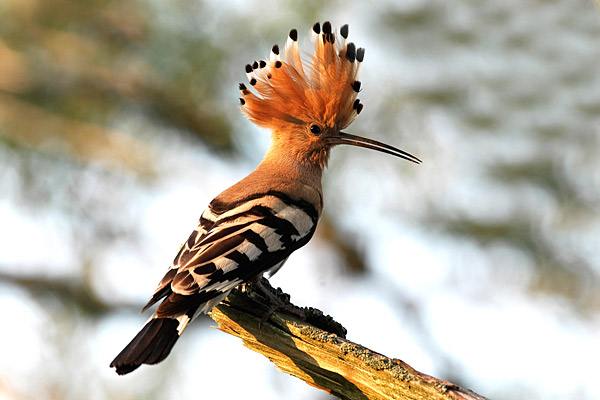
(278, 301)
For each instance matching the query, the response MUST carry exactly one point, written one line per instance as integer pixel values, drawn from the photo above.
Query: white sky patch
(214, 360)
(374, 321)
(122, 275)
(23, 342)
(508, 338)
(34, 243)
(105, 341)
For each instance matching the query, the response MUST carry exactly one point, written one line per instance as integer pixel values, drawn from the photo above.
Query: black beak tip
(346, 138)
(412, 159)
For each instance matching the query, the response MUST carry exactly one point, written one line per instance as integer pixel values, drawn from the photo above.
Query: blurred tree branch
(315, 350)
(74, 292)
(30, 126)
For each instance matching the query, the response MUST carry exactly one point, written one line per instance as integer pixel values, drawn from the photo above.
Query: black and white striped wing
(164, 286)
(234, 244)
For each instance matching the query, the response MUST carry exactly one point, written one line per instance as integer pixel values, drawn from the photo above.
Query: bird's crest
(287, 92)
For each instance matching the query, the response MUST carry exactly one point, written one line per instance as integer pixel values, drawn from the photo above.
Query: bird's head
(307, 104)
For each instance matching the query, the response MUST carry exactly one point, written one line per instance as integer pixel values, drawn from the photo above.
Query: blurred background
(120, 121)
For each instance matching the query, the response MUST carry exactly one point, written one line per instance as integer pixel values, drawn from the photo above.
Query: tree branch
(314, 349)
(77, 292)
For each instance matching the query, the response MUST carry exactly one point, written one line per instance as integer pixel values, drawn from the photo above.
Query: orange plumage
(289, 93)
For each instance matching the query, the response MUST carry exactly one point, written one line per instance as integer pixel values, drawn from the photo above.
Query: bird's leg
(278, 301)
(245, 287)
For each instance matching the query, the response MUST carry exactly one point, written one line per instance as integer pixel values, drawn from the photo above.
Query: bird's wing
(164, 286)
(233, 244)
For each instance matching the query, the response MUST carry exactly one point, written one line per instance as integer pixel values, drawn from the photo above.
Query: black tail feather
(150, 346)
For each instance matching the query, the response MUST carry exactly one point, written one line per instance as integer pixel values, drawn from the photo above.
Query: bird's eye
(315, 129)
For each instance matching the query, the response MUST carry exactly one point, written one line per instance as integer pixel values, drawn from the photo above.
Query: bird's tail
(150, 346)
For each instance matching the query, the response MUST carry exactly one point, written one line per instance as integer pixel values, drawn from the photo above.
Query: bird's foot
(278, 301)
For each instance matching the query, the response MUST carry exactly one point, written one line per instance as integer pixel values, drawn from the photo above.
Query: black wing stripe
(215, 250)
(216, 276)
(256, 240)
(184, 283)
(304, 205)
(176, 259)
(177, 304)
(205, 222)
(256, 211)
(283, 227)
(271, 202)
(215, 258)
(222, 233)
(163, 290)
(239, 258)
(205, 269)
(219, 207)
(245, 270)
(192, 239)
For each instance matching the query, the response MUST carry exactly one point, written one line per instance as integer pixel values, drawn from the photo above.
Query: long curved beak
(346, 138)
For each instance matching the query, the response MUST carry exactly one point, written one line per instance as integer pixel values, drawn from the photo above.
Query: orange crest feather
(292, 93)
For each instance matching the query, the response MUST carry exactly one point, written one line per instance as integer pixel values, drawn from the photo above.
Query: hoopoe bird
(252, 228)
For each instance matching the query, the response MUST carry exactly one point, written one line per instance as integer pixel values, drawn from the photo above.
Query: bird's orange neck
(294, 164)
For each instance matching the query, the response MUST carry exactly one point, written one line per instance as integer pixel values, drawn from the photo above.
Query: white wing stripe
(297, 217)
(222, 286)
(209, 215)
(250, 250)
(238, 221)
(272, 202)
(271, 238)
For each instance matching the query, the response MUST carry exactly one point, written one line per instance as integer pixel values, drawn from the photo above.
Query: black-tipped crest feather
(344, 31)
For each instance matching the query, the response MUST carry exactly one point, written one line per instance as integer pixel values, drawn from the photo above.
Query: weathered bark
(304, 343)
